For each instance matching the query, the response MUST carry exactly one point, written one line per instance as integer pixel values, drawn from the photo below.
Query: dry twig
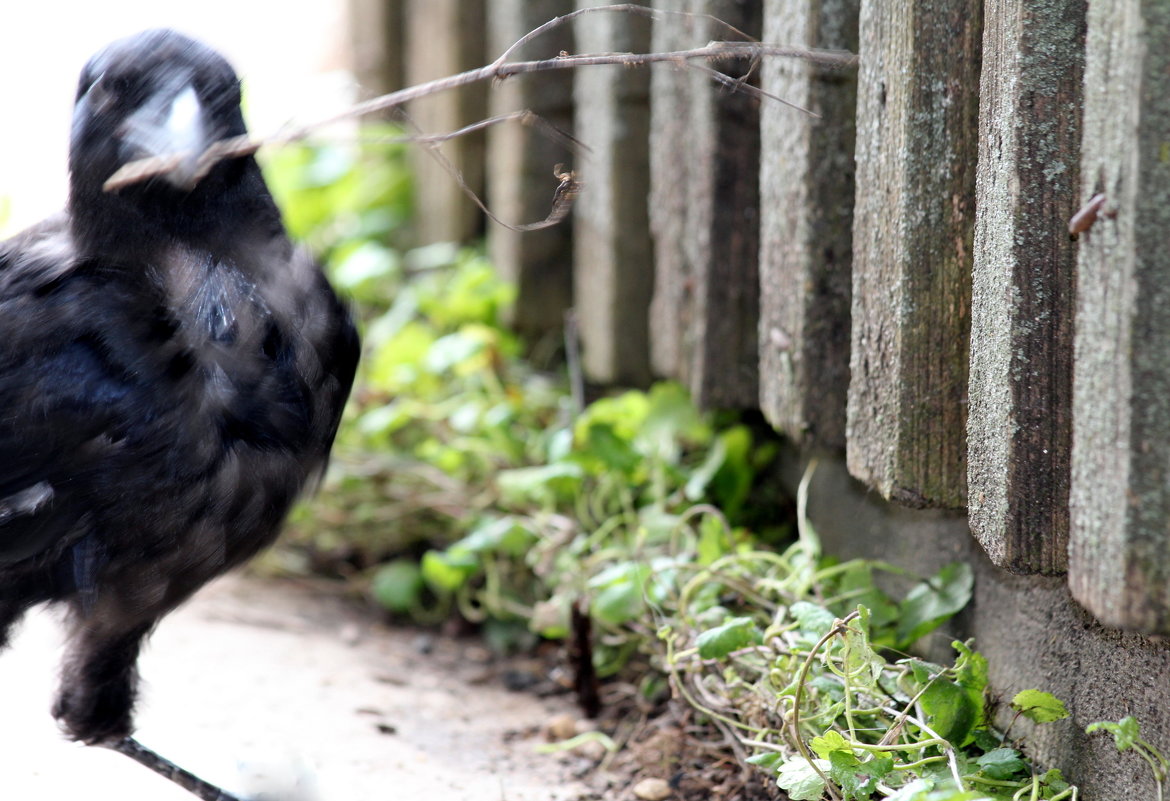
(501, 69)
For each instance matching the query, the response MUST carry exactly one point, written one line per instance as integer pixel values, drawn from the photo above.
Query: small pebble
(592, 750)
(475, 653)
(652, 790)
(561, 727)
(351, 634)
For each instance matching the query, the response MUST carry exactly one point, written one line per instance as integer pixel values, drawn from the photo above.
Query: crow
(172, 373)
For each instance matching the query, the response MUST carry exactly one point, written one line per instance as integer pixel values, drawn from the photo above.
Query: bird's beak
(171, 123)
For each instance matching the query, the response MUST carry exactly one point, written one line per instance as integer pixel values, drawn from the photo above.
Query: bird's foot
(93, 718)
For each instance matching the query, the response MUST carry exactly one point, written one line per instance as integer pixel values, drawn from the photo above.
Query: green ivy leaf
(843, 768)
(397, 585)
(857, 779)
(766, 760)
(620, 592)
(800, 780)
(732, 484)
(739, 632)
(543, 483)
(929, 790)
(829, 742)
(970, 673)
(447, 571)
(923, 671)
(970, 668)
(931, 603)
(715, 540)
(1054, 780)
(504, 535)
(949, 711)
(1126, 731)
(1001, 764)
(813, 620)
(615, 453)
(696, 486)
(862, 663)
(671, 419)
(856, 583)
(1038, 706)
(618, 603)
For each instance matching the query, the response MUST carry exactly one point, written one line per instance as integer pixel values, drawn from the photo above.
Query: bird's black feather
(172, 373)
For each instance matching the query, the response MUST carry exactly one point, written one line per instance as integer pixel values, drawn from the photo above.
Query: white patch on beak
(185, 130)
(185, 123)
(174, 126)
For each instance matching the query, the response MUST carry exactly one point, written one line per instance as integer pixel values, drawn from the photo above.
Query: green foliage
(1126, 732)
(874, 728)
(739, 632)
(1127, 736)
(398, 585)
(1001, 764)
(339, 198)
(933, 601)
(634, 508)
(1038, 706)
(799, 778)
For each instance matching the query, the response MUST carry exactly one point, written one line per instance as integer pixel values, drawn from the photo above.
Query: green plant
(1127, 736)
(808, 687)
(442, 400)
(465, 479)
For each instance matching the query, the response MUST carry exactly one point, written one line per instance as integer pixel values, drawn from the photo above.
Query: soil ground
(276, 691)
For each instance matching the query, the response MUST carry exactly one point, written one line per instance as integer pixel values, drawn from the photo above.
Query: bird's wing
(69, 388)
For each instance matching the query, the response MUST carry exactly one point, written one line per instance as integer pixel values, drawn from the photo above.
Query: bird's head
(160, 93)
(156, 93)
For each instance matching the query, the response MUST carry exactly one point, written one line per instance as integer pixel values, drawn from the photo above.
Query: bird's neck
(132, 225)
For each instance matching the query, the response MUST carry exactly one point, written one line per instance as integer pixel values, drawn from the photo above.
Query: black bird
(172, 373)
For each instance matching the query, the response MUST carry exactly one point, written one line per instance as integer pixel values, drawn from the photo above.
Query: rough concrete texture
(1029, 627)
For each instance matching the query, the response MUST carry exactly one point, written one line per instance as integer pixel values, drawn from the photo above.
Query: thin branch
(142, 169)
(524, 117)
(628, 8)
(741, 85)
(563, 196)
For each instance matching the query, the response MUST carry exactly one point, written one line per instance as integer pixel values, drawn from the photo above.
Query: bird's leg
(98, 686)
(164, 767)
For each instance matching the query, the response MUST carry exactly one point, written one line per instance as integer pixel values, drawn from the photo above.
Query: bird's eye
(108, 91)
(120, 87)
